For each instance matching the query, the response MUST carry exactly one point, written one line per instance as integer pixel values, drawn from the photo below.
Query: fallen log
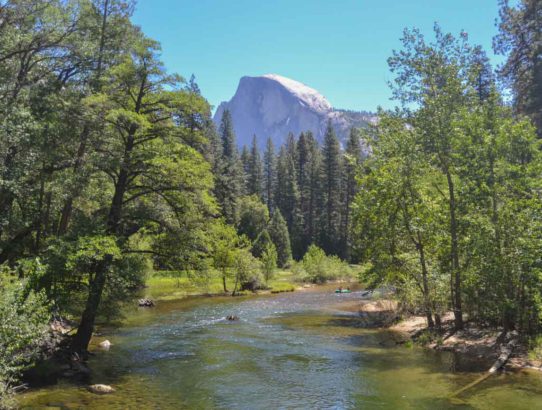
(506, 351)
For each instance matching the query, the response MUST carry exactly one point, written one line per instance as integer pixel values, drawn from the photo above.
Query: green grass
(282, 281)
(169, 285)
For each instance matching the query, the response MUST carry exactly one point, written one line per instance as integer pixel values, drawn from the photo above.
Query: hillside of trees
(111, 168)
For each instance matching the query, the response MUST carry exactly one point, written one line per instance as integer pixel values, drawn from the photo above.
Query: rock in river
(105, 345)
(101, 389)
(145, 303)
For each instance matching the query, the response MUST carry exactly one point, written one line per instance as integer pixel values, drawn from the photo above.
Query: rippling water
(289, 351)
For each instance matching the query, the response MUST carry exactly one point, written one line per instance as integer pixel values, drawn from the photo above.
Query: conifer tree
(350, 187)
(254, 171)
(278, 231)
(245, 165)
(331, 175)
(313, 215)
(520, 39)
(287, 192)
(308, 176)
(229, 180)
(269, 174)
(261, 243)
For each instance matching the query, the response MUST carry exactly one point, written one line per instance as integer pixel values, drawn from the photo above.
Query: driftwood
(506, 351)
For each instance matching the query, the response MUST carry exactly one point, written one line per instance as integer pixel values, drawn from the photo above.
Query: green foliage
(248, 275)
(254, 184)
(253, 216)
(535, 348)
(269, 261)
(262, 242)
(331, 182)
(278, 230)
(223, 250)
(320, 268)
(24, 317)
(229, 180)
(448, 206)
(519, 39)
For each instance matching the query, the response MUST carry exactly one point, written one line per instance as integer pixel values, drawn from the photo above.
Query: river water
(287, 351)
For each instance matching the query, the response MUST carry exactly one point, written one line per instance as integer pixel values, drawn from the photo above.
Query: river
(289, 351)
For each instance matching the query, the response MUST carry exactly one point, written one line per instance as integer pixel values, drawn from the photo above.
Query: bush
(319, 268)
(24, 316)
(269, 261)
(535, 348)
(247, 270)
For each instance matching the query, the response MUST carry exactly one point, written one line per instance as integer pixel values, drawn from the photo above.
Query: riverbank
(294, 349)
(168, 287)
(474, 342)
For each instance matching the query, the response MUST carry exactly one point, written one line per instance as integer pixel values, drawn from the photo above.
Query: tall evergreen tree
(520, 39)
(309, 182)
(254, 171)
(245, 166)
(230, 179)
(269, 174)
(287, 192)
(315, 199)
(349, 187)
(331, 176)
(278, 231)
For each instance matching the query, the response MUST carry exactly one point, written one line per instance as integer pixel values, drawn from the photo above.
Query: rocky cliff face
(273, 106)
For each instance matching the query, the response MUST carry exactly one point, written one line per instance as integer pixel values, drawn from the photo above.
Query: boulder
(101, 389)
(145, 303)
(105, 345)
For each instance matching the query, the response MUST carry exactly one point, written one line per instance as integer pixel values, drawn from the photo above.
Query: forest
(111, 170)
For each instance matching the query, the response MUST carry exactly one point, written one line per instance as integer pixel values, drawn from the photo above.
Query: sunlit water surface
(289, 351)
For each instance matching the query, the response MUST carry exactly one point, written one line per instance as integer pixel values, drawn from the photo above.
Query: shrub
(320, 268)
(247, 270)
(269, 261)
(24, 315)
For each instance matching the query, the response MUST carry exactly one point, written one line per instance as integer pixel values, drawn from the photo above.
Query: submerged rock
(106, 344)
(232, 317)
(101, 389)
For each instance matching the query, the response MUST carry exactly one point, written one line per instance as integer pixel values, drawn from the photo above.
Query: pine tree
(261, 243)
(229, 180)
(350, 186)
(313, 215)
(278, 230)
(269, 174)
(254, 171)
(520, 39)
(245, 165)
(331, 174)
(308, 177)
(287, 192)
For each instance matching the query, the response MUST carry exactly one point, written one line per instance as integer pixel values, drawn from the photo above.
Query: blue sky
(338, 47)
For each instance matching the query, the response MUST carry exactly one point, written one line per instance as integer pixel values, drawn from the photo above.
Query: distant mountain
(273, 106)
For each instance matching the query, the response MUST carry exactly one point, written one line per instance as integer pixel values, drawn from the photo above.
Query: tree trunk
(224, 282)
(425, 284)
(456, 274)
(86, 326)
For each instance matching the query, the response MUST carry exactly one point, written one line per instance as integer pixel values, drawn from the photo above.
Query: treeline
(310, 185)
(449, 208)
(105, 171)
